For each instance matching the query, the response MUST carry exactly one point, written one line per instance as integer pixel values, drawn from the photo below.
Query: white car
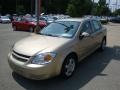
(4, 19)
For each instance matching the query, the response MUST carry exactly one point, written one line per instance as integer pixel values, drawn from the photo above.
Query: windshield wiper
(61, 24)
(67, 29)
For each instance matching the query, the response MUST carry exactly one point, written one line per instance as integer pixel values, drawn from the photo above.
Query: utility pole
(93, 2)
(109, 3)
(35, 7)
(116, 5)
(37, 12)
(31, 6)
(16, 6)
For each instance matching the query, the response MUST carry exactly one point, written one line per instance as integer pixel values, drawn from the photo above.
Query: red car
(27, 24)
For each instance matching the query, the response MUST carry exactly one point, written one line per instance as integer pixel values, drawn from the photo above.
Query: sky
(111, 1)
(112, 4)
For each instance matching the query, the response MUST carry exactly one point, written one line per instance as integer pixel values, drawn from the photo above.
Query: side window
(86, 27)
(96, 25)
(19, 19)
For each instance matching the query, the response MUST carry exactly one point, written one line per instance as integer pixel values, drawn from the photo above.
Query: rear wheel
(103, 45)
(69, 66)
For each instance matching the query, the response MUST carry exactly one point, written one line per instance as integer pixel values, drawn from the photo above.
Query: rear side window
(96, 25)
(86, 27)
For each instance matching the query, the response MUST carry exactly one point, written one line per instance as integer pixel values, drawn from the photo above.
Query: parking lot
(99, 71)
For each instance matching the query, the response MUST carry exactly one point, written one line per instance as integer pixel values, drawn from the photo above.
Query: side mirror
(84, 34)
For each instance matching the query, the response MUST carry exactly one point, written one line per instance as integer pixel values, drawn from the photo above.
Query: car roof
(75, 19)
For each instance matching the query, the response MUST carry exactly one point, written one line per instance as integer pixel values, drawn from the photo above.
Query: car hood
(39, 43)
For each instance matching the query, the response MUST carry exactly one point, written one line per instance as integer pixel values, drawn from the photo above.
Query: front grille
(20, 57)
(25, 56)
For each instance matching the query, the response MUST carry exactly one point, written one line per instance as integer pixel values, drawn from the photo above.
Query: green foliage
(101, 9)
(117, 12)
(55, 6)
(20, 9)
(78, 8)
(94, 9)
(0, 8)
(71, 10)
(74, 8)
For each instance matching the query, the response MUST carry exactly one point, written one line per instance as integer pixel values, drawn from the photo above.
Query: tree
(101, 8)
(20, 9)
(116, 12)
(94, 9)
(55, 6)
(0, 8)
(78, 8)
(71, 10)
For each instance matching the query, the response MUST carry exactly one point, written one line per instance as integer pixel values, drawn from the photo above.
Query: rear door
(26, 24)
(20, 24)
(98, 34)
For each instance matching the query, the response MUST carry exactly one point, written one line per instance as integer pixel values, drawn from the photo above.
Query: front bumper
(32, 71)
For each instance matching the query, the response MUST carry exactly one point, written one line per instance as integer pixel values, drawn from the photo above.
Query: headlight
(42, 58)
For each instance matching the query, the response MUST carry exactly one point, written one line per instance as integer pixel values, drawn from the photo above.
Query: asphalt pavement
(99, 71)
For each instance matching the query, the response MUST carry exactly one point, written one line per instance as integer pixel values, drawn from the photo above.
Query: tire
(14, 28)
(103, 45)
(69, 66)
(31, 29)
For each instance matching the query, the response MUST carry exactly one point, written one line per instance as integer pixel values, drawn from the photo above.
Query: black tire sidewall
(63, 70)
(14, 28)
(102, 48)
(31, 30)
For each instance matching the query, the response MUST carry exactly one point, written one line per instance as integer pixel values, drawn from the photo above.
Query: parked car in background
(27, 24)
(50, 20)
(104, 20)
(115, 20)
(14, 17)
(57, 48)
(4, 19)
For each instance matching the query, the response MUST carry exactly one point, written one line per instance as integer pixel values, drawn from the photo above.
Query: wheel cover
(70, 67)
(14, 28)
(31, 29)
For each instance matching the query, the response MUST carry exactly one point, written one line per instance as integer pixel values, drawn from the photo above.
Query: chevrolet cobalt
(57, 48)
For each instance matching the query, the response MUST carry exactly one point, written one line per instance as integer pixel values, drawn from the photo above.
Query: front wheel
(31, 29)
(14, 28)
(68, 67)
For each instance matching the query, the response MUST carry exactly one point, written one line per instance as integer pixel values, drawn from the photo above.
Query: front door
(86, 44)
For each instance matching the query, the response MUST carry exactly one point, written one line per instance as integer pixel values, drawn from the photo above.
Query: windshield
(61, 29)
(30, 19)
(26, 19)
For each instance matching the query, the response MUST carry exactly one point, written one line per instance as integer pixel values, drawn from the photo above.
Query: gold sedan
(57, 48)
